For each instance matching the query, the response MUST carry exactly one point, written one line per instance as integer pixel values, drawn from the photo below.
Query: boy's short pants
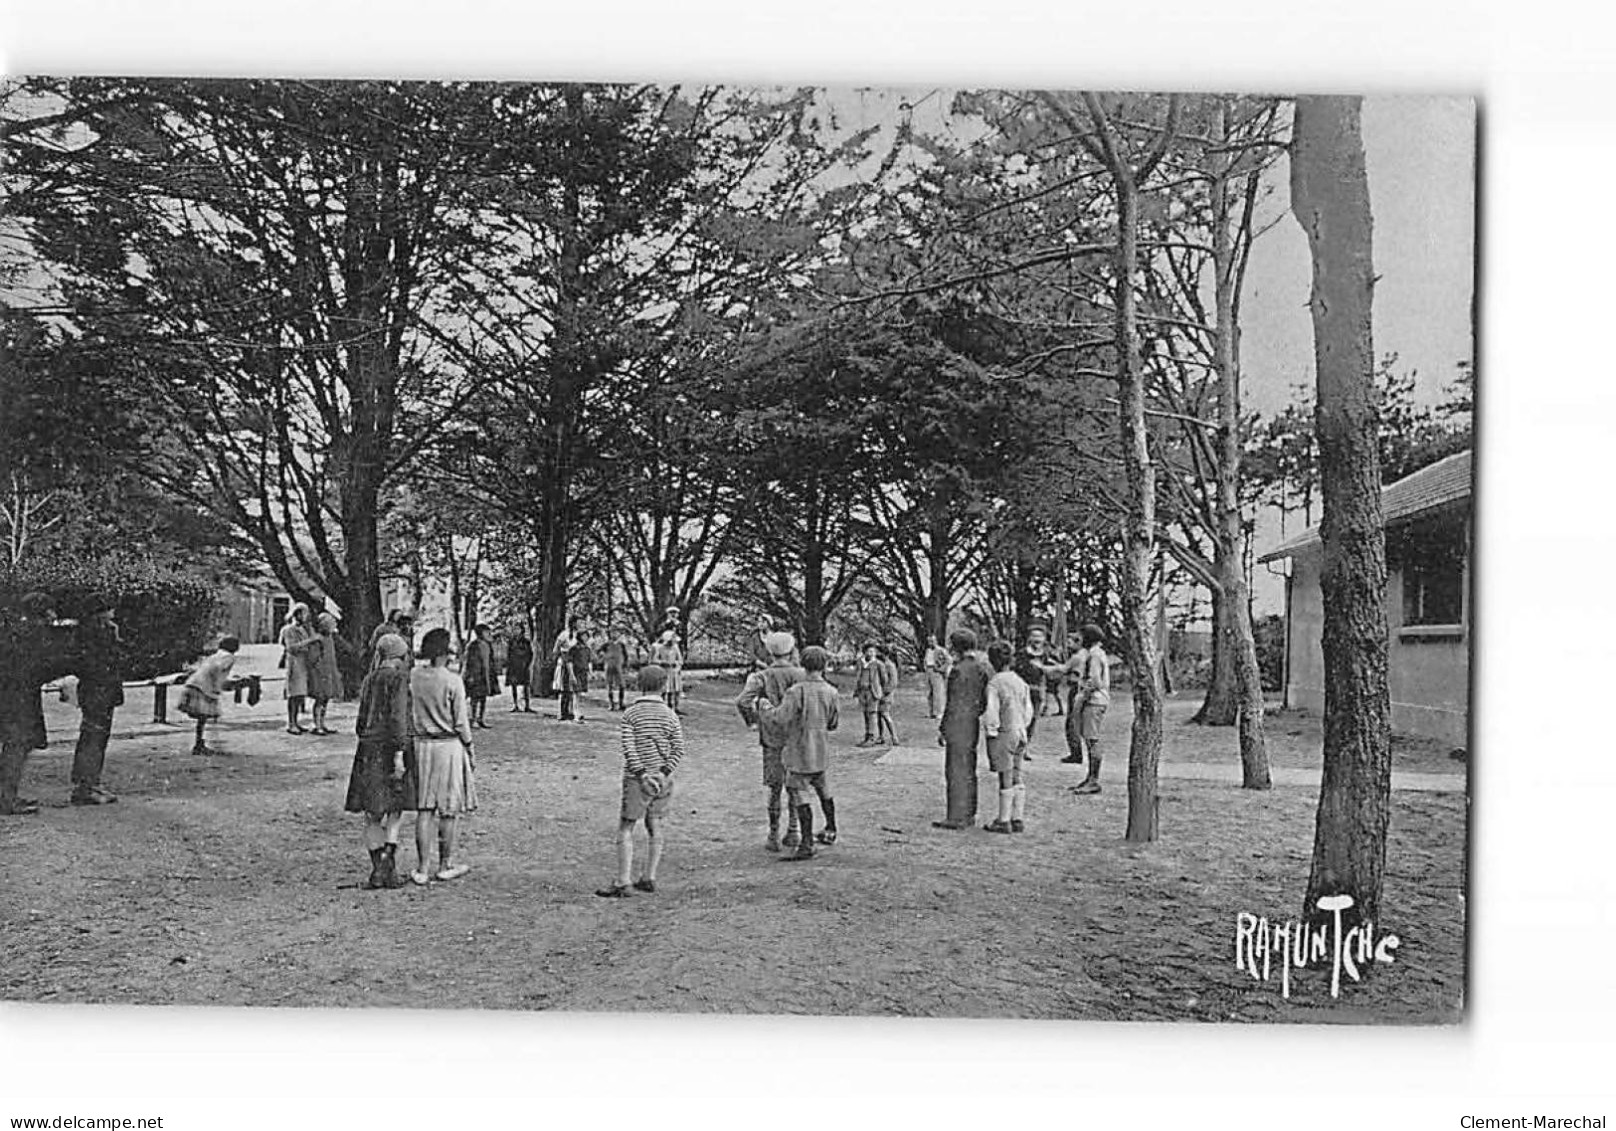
(614, 678)
(1002, 755)
(801, 783)
(1093, 716)
(636, 805)
(774, 770)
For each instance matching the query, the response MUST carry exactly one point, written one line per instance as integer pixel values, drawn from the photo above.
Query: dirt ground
(235, 880)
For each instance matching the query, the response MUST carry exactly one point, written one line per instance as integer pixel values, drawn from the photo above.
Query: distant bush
(165, 614)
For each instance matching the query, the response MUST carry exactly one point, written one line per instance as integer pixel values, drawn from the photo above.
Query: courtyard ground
(235, 880)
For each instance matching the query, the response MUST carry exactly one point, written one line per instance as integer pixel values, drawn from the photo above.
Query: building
(1428, 544)
(253, 610)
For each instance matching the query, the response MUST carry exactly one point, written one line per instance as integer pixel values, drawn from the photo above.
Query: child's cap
(652, 678)
(779, 643)
(814, 658)
(391, 647)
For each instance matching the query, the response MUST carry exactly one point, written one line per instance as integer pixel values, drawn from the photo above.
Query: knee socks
(1018, 801)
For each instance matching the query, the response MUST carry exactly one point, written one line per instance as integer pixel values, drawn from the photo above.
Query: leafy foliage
(166, 615)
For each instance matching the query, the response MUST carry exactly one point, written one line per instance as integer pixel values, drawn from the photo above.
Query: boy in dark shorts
(771, 684)
(1007, 721)
(807, 715)
(653, 744)
(614, 655)
(1090, 698)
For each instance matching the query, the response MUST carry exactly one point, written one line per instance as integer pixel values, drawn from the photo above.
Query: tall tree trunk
(1221, 704)
(813, 595)
(1058, 629)
(455, 593)
(361, 606)
(1023, 596)
(1235, 633)
(567, 381)
(1139, 531)
(1330, 197)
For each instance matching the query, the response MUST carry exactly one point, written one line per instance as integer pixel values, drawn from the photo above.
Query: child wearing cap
(868, 690)
(1007, 721)
(807, 715)
(653, 743)
(772, 683)
(382, 782)
(480, 675)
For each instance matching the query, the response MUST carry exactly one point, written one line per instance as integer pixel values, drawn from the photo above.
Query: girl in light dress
(203, 688)
(297, 639)
(444, 758)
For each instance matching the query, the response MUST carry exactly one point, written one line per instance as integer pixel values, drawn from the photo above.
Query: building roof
(1443, 482)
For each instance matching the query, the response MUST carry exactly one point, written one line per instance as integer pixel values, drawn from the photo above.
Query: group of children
(416, 751)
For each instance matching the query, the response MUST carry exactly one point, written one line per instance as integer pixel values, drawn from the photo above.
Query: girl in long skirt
(444, 758)
(480, 675)
(382, 783)
(518, 659)
(325, 678)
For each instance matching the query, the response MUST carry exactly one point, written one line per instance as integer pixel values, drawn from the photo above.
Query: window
(1433, 577)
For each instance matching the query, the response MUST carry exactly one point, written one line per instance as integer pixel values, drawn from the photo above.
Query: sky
(1420, 156)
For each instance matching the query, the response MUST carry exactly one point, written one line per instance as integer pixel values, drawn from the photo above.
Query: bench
(252, 685)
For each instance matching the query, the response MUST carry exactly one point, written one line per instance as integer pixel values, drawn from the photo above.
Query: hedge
(165, 614)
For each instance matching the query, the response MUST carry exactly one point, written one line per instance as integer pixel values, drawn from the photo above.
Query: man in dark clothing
(32, 650)
(100, 672)
(961, 728)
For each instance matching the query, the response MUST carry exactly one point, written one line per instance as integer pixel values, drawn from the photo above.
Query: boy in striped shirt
(653, 743)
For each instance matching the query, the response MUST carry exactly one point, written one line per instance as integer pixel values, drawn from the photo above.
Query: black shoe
(375, 880)
(1087, 787)
(646, 885)
(805, 851)
(616, 891)
(1018, 827)
(94, 795)
(1071, 760)
(951, 825)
